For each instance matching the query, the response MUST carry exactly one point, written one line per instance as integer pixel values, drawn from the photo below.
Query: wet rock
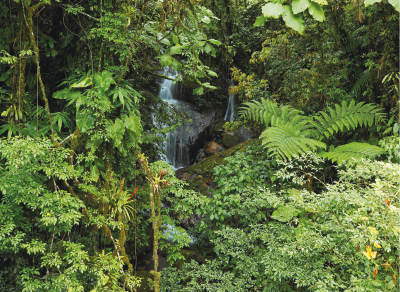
(192, 136)
(201, 155)
(232, 138)
(212, 148)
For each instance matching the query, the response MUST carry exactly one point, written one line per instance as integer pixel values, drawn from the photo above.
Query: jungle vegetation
(312, 204)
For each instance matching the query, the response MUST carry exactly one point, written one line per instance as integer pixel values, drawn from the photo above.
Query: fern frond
(288, 140)
(267, 112)
(353, 150)
(361, 83)
(348, 116)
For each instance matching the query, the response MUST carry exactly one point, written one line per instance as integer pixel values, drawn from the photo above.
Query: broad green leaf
(296, 195)
(212, 26)
(320, 2)
(273, 10)
(215, 42)
(103, 80)
(66, 93)
(395, 4)
(206, 19)
(212, 73)
(260, 21)
(210, 50)
(95, 142)
(84, 83)
(292, 21)
(370, 2)
(285, 213)
(116, 131)
(176, 65)
(132, 123)
(316, 11)
(199, 90)
(175, 39)
(175, 50)
(300, 5)
(166, 60)
(84, 120)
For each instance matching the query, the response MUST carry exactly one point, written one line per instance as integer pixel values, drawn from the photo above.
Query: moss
(144, 284)
(205, 168)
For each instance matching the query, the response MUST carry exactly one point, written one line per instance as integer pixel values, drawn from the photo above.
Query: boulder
(212, 148)
(233, 138)
(186, 141)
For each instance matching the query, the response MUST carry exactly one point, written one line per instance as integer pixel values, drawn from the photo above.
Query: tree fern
(267, 112)
(353, 150)
(288, 140)
(348, 116)
(290, 133)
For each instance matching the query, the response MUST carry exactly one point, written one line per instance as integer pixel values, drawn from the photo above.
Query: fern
(353, 150)
(347, 116)
(267, 112)
(360, 83)
(289, 140)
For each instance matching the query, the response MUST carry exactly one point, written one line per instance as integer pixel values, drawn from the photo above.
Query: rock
(232, 138)
(206, 167)
(201, 155)
(212, 148)
(189, 139)
(200, 186)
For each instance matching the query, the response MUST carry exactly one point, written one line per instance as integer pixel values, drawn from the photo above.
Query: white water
(230, 111)
(177, 153)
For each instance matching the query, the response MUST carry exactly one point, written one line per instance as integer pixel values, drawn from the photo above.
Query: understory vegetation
(311, 203)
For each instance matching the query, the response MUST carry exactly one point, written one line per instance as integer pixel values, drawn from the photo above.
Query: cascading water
(230, 111)
(177, 153)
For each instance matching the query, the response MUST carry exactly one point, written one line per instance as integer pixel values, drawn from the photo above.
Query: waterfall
(177, 153)
(230, 111)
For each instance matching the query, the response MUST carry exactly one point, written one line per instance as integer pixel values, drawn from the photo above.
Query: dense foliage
(312, 205)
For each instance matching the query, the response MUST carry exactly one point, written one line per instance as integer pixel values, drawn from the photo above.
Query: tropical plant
(288, 133)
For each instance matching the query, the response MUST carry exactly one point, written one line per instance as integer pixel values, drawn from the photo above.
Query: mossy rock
(231, 138)
(206, 167)
(144, 284)
(199, 186)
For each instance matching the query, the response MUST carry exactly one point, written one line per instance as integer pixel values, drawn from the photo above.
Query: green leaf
(175, 39)
(292, 21)
(285, 213)
(260, 21)
(320, 2)
(206, 19)
(175, 50)
(103, 80)
(212, 73)
(84, 120)
(166, 60)
(371, 2)
(395, 4)
(215, 42)
(176, 65)
(300, 5)
(116, 131)
(316, 11)
(296, 195)
(199, 90)
(212, 26)
(273, 10)
(66, 93)
(132, 123)
(83, 83)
